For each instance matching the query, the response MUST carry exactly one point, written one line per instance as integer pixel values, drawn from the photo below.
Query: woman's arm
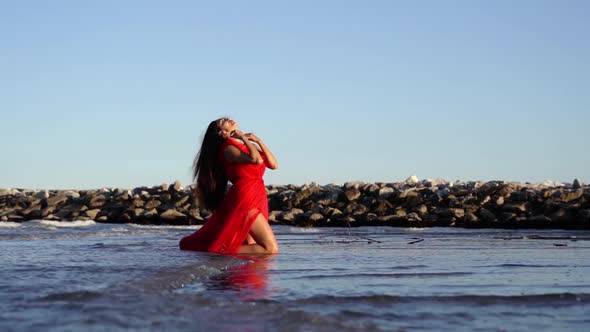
(270, 158)
(233, 154)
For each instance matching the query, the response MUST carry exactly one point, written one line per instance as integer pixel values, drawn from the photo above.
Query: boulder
(571, 196)
(315, 217)
(352, 194)
(386, 192)
(98, 200)
(177, 186)
(576, 184)
(172, 214)
(92, 213)
(154, 203)
(56, 200)
(486, 215)
(42, 195)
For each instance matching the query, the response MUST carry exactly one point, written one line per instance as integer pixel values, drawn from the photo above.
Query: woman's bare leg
(249, 240)
(264, 239)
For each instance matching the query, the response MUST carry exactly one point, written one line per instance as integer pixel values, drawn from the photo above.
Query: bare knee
(271, 248)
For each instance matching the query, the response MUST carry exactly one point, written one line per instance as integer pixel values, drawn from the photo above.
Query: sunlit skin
(261, 239)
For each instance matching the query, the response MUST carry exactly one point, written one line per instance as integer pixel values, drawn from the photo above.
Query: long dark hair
(208, 173)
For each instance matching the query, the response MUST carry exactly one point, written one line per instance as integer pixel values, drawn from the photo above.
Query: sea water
(82, 276)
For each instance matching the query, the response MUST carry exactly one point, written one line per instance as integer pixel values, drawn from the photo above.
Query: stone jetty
(411, 203)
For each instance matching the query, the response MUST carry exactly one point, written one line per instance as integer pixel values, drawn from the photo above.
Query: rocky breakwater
(428, 203)
(412, 203)
(165, 204)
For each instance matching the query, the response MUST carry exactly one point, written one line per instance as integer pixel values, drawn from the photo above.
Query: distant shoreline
(411, 203)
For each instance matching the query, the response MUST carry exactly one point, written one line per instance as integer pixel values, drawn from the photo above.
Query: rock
(570, 196)
(500, 200)
(153, 213)
(92, 213)
(355, 209)
(315, 217)
(97, 201)
(45, 212)
(507, 216)
(332, 212)
(15, 217)
(177, 186)
(352, 194)
(373, 189)
(412, 180)
(154, 203)
(164, 187)
(552, 184)
(471, 218)
(125, 218)
(539, 220)
(372, 217)
(414, 198)
(6, 192)
(72, 194)
(290, 216)
(33, 212)
(42, 195)
(382, 207)
(138, 212)
(391, 219)
(515, 208)
(560, 215)
(447, 212)
(443, 192)
(385, 192)
(517, 197)
(182, 201)
(137, 202)
(486, 215)
(583, 215)
(400, 213)
(457, 213)
(576, 184)
(56, 200)
(172, 214)
(413, 216)
(422, 210)
(353, 184)
(274, 215)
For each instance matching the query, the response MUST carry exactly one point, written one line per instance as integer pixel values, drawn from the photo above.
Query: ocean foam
(8, 224)
(75, 223)
(165, 226)
(297, 230)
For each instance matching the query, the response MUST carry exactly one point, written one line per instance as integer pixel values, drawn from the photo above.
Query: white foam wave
(75, 223)
(298, 230)
(8, 224)
(416, 229)
(165, 226)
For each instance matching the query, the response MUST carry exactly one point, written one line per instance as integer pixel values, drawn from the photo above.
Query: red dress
(227, 228)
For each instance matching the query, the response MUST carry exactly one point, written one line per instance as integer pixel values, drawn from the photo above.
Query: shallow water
(56, 277)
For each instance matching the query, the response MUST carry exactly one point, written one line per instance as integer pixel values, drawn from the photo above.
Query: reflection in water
(249, 279)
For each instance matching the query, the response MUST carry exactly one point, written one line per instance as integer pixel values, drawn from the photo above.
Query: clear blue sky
(118, 93)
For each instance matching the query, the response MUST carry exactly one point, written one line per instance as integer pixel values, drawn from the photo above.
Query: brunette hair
(208, 173)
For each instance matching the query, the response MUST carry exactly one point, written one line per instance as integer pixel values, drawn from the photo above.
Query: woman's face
(226, 127)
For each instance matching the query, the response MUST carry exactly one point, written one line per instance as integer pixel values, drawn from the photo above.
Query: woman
(239, 223)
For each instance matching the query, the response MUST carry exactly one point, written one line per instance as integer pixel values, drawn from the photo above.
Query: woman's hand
(238, 134)
(252, 137)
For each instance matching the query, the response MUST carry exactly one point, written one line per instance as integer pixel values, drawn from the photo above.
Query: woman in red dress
(239, 223)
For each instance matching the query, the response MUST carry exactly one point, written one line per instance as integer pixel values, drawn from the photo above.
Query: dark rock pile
(413, 203)
(143, 205)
